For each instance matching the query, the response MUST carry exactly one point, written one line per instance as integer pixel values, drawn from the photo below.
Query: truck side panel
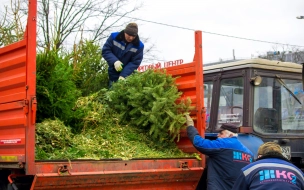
(17, 98)
(183, 173)
(190, 82)
(13, 104)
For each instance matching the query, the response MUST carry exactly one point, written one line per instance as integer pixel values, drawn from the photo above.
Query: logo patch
(277, 175)
(243, 157)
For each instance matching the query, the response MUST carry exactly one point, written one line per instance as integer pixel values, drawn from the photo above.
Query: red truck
(18, 105)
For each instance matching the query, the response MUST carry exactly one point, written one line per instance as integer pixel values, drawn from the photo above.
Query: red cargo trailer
(18, 104)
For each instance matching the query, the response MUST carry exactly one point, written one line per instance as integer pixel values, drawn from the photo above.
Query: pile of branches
(137, 118)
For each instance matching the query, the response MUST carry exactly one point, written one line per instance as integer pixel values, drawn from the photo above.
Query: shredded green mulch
(56, 141)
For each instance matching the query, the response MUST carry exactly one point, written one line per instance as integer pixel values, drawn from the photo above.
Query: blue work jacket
(270, 173)
(117, 49)
(227, 156)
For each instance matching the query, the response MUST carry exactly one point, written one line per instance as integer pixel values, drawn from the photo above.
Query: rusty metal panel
(12, 72)
(130, 174)
(170, 180)
(12, 102)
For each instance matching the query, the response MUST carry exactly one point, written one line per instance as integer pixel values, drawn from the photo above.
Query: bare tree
(11, 27)
(65, 19)
(61, 20)
(280, 52)
(285, 53)
(113, 14)
(62, 23)
(298, 55)
(150, 51)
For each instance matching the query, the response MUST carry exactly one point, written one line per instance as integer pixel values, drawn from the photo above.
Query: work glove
(118, 66)
(121, 78)
(189, 120)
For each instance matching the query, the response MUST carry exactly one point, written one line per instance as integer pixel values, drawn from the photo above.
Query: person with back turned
(270, 171)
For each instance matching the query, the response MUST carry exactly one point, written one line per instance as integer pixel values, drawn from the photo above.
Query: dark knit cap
(229, 127)
(131, 29)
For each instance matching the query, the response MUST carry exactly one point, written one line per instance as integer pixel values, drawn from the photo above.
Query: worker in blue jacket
(123, 52)
(226, 155)
(270, 171)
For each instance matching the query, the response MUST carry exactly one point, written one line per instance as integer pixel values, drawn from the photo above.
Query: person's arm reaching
(205, 146)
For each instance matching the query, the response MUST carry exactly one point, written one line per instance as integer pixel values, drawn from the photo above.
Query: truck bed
(178, 173)
(18, 106)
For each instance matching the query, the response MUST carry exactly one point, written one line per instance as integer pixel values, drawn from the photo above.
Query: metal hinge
(26, 106)
(34, 109)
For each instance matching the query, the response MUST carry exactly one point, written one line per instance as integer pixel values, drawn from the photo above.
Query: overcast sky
(267, 20)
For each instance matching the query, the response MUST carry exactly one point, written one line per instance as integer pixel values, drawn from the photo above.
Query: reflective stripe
(118, 45)
(249, 170)
(133, 50)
